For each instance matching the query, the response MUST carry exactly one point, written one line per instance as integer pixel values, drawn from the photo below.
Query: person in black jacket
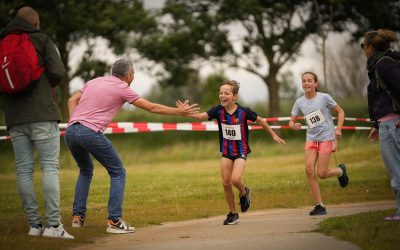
(32, 119)
(383, 70)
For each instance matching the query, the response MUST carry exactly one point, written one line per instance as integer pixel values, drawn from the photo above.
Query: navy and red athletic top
(239, 117)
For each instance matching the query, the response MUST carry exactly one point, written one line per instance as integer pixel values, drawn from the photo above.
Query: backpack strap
(380, 84)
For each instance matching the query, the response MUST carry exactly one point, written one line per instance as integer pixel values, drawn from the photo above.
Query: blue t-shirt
(233, 130)
(317, 113)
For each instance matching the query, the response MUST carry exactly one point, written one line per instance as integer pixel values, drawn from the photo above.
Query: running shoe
(245, 200)
(119, 227)
(36, 230)
(318, 210)
(344, 179)
(57, 232)
(231, 219)
(78, 221)
(394, 217)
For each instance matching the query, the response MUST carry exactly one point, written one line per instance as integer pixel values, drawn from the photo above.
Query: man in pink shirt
(91, 110)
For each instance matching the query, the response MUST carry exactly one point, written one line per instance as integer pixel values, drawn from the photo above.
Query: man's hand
(186, 109)
(180, 104)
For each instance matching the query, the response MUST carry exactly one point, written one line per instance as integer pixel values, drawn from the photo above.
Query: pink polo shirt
(101, 99)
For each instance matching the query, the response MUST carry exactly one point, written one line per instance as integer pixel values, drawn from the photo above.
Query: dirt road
(268, 229)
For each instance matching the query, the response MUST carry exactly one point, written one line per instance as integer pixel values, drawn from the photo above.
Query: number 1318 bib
(231, 132)
(314, 118)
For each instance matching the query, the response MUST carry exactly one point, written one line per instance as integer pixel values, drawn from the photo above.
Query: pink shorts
(322, 147)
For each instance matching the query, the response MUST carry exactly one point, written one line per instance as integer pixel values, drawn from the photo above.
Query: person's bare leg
(311, 159)
(226, 175)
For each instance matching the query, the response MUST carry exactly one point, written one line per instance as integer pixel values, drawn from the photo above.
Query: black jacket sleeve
(54, 67)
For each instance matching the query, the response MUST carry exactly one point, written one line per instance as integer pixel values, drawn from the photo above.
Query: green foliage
(376, 14)
(69, 21)
(90, 68)
(189, 34)
(168, 94)
(211, 89)
(199, 30)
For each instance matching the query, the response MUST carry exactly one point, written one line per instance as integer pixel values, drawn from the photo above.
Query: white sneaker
(120, 227)
(36, 231)
(57, 232)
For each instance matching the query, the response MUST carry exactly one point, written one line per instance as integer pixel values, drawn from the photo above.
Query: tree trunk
(325, 83)
(273, 90)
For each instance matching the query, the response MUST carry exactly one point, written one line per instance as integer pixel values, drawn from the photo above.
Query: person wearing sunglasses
(383, 67)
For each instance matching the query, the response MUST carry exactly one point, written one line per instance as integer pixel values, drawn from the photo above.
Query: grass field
(180, 181)
(366, 230)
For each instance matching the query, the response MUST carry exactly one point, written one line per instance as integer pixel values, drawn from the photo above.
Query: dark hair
(311, 73)
(234, 84)
(314, 76)
(380, 39)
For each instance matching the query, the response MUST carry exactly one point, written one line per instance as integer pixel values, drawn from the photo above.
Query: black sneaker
(245, 200)
(344, 179)
(318, 210)
(231, 219)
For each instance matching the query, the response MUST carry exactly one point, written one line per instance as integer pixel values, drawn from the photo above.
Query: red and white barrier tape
(281, 119)
(139, 127)
(184, 125)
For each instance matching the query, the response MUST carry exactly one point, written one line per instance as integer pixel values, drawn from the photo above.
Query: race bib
(231, 132)
(314, 118)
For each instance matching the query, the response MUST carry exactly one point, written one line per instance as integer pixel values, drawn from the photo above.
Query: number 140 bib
(231, 132)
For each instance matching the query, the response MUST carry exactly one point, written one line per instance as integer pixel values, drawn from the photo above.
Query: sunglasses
(363, 45)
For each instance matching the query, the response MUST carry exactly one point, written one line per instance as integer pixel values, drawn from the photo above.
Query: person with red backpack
(30, 68)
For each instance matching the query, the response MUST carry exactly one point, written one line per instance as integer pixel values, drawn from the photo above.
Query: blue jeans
(46, 137)
(83, 142)
(389, 137)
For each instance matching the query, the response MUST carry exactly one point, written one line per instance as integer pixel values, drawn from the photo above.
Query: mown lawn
(164, 189)
(367, 230)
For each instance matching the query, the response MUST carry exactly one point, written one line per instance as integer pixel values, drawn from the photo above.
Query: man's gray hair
(121, 68)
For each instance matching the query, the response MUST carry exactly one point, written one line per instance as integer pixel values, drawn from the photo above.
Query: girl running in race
(233, 135)
(321, 139)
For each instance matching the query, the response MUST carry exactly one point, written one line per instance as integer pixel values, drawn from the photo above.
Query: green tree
(169, 94)
(370, 15)
(288, 90)
(186, 37)
(210, 88)
(192, 31)
(69, 22)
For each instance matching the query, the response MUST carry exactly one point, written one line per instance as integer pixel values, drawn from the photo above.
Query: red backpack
(19, 63)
